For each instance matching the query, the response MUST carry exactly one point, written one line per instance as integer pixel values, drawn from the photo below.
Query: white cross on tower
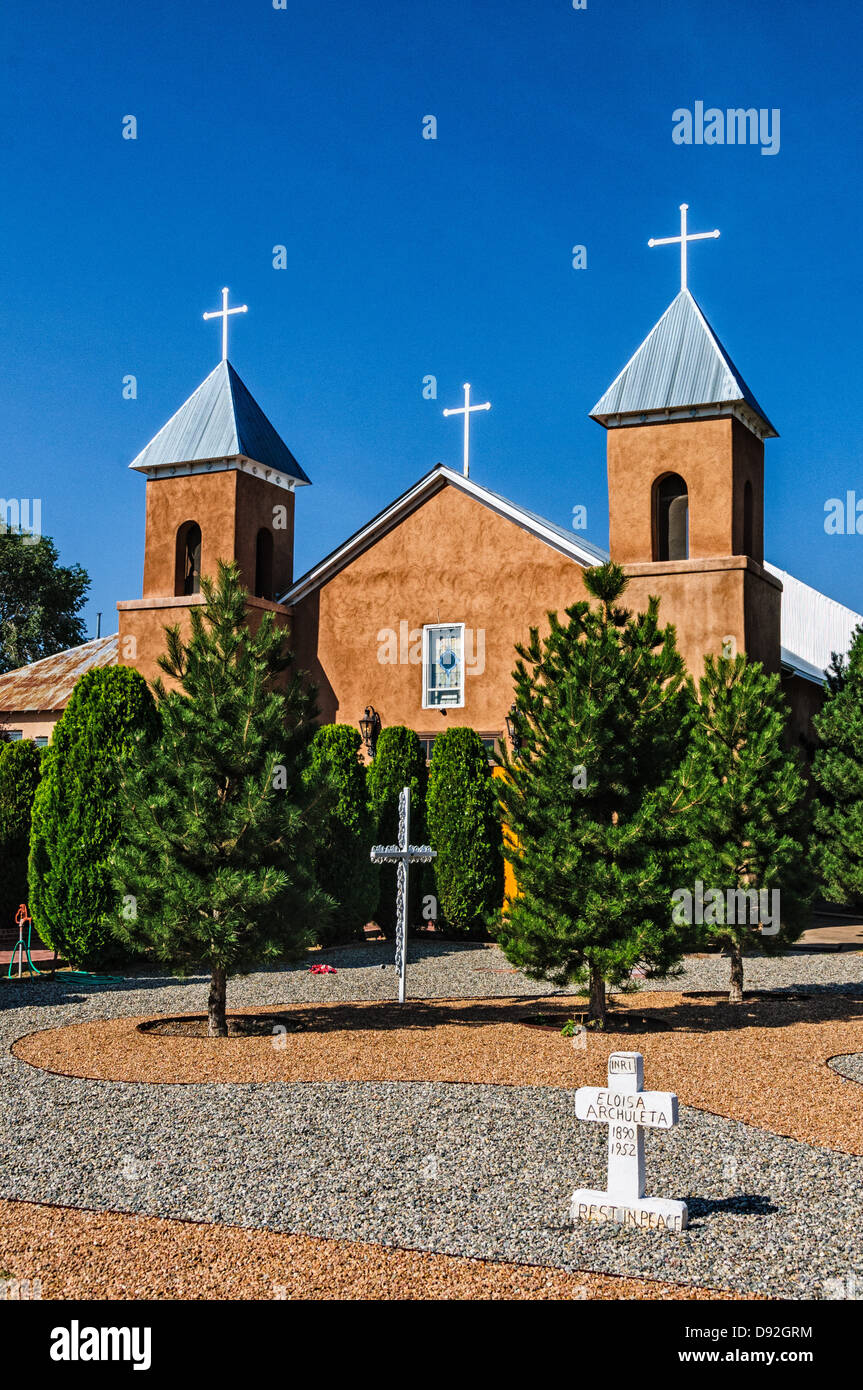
(402, 855)
(223, 314)
(467, 410)
(684, 239)
(628, 1111)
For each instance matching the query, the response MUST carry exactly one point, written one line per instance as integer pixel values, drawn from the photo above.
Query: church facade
(382, 629)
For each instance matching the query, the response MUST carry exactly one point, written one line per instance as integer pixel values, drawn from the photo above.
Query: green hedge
(75, 812)
(19, 778)
(465, 828)
(343, 865)
(398, 762)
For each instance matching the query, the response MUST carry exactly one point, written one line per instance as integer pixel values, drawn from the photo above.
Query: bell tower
(686, 487)
(220, 486)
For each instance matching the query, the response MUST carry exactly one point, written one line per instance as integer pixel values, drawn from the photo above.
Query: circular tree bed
(239, 1026)
(616, 1021)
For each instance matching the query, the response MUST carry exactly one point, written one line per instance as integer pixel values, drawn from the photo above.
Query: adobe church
(390, 640)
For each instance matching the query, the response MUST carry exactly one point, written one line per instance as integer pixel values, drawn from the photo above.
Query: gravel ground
(473, 1171)
(86, 1254)
(850, 1066)
(761, 1062)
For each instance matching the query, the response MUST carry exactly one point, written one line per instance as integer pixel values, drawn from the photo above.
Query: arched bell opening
(264, 564)
(187, 578)
(670, 518)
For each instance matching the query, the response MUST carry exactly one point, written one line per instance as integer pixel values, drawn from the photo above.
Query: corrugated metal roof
(813, 626)
(221, 420)
(47, 684)
(680, 365)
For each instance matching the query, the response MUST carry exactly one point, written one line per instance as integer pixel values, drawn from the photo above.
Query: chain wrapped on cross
(402, 855)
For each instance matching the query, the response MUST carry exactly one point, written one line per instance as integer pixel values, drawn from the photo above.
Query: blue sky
(409, 257)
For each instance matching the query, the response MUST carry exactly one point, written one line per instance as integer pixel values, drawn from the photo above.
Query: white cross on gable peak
(467, 410)
(684, 240)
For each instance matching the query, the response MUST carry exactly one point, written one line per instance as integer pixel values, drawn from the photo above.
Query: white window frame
(428, 629)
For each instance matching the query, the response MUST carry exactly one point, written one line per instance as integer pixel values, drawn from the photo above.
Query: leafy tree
(40, 600)
(19, 778)
(398, 763)
(838, 773)
(595, 801)
(75, 814)
(749, 827)
(218, 827)
(464, 828)
(342, 851)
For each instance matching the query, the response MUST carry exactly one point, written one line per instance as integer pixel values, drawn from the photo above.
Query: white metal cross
(628, 1110)
(223, 314)
(467, 410)
(402, 855)
(684, 239)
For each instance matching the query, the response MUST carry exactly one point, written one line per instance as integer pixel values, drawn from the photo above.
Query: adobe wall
(32, 723)
(714, 458)
(215, 501)
(143, 623)
(710, 600)
(452, 560)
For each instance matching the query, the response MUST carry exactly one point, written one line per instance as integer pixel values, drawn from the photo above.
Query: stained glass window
(443, 665)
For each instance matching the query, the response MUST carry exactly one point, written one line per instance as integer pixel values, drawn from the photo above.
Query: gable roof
(220, 421)
(583, 552)
(681, 369)
(813, 626)
(47, 684)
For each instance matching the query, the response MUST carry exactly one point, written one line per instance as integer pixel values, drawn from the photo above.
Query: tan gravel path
(106, 1255)
(763, 1063)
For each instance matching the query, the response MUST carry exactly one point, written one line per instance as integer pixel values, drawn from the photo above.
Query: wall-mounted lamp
(513, 728)
(370, 727)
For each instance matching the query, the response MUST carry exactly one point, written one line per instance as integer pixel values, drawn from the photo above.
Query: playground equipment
(22, 916)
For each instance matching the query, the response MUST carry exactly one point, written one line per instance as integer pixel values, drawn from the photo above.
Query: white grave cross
(402, 855)
(628, 1111)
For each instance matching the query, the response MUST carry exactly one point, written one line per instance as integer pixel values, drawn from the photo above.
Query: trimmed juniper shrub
(19, 778)
(75, 812)
(465, 829)
(398, 762)
(342, 851)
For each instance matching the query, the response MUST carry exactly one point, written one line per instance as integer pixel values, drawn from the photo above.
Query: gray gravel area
(468, 1170)
(849, 1065)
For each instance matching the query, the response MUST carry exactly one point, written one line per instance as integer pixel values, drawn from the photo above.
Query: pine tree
(464, 828)
(837, 769)
(595, 801)
(342, 851)
(214, 863)
(749, 828)
(75, 816)
(19, 778)
(398, 762)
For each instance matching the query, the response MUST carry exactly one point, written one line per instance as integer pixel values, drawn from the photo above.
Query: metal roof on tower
(680, 371)
(221, 423)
